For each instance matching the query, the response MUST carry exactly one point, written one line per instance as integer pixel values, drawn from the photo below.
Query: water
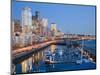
(92, 45)
(89, 45)
(56, 58)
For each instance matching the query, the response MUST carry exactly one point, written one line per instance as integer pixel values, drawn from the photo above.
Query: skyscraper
(44, 23)
(37, 15)
(26, 22)
(26, 19)
(53, 29)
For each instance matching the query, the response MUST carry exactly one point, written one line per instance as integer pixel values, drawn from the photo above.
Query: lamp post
(82, 48)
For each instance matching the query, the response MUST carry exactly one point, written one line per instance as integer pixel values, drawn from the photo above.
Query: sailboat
(48, 57)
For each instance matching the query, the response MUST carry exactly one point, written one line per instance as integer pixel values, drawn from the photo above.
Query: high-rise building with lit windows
(26, 20)
(26, 23)
(45, 24)
(53, 29)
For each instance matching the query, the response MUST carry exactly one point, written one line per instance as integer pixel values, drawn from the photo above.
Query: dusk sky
(79, 19)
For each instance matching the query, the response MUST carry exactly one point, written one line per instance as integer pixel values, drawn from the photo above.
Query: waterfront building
(26, 20)
(25, 39)
(59, 34)
(36, 23)
(37, 15)
(45, 24)
(17, 26)
(53, 29)
(49, 33)
(26, 23)
(16, 42)
(22, 39)
(39, 26)
(16, 30)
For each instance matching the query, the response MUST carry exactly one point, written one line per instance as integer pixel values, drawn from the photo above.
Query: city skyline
(69, 20)
(49, 37)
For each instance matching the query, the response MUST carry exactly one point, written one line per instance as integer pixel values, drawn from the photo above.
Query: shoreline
(27, 51)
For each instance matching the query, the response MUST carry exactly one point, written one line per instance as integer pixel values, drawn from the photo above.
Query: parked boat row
(73, 53)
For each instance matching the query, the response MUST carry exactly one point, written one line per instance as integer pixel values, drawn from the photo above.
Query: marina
(56, 57)
(43, 40)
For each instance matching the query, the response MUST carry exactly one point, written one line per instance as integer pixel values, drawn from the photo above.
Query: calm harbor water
(92, 45)
(57, 58)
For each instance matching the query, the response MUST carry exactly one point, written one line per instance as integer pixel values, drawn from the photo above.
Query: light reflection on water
(53, 47)
(36, 63)
(27, 65)
(32, 61)
(24, 66)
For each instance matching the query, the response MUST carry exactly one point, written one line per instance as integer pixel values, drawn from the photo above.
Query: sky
(78, 19)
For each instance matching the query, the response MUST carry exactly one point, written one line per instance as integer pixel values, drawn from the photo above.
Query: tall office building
(37, 15)
(26, 19)
(26, 22)
(45, 23)
(17, 26)
(53, 29)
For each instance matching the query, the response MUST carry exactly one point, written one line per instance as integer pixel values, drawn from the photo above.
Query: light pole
(82, 48)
